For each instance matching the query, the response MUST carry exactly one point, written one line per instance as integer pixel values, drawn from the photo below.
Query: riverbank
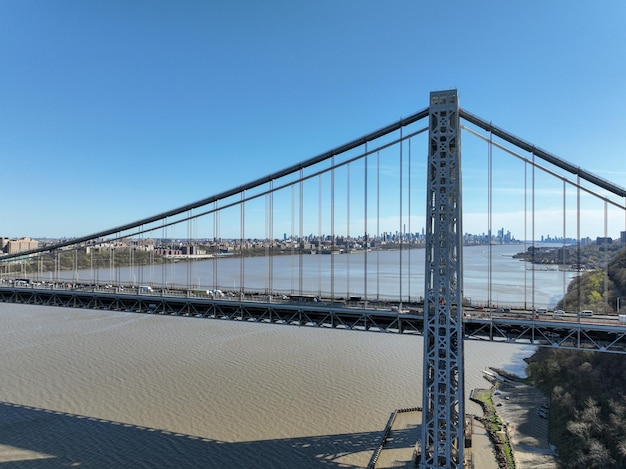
(516, 416)
(524, 411)
(510, 432)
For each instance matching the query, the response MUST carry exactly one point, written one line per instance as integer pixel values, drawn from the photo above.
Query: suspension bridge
(367, 236)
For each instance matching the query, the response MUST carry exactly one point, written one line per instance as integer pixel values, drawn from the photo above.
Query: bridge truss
(515, 327)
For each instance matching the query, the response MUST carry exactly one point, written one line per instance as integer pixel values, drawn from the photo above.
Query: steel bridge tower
(443, 408)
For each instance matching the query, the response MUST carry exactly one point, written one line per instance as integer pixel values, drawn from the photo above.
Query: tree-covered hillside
(588, 405)
(587, 389)
(599, 289)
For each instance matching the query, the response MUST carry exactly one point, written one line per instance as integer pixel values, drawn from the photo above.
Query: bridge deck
(598, 333)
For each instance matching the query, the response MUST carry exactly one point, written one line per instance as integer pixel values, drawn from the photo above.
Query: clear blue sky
(111, 111)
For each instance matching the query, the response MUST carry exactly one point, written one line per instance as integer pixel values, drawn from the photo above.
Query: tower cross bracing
(443, 408)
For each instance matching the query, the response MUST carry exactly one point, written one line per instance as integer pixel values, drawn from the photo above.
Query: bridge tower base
(443, 405)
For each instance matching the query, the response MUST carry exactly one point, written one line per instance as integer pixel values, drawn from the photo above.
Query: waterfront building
(12, 246)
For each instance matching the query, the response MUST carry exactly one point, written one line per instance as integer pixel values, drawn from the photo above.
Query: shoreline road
(524, 409)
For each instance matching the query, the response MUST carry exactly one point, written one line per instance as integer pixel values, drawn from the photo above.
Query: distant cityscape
(311, 244)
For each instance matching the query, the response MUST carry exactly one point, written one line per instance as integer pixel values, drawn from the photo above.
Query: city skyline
(502, 235)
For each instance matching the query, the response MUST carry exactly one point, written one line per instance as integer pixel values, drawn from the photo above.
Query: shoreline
(521, 409)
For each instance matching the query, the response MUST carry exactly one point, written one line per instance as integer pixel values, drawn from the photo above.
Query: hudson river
(83, 388)
(390, 275)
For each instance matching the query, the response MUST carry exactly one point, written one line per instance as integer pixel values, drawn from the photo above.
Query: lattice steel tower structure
(443, 409)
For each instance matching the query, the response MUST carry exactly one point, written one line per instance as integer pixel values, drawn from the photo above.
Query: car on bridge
(585, 313)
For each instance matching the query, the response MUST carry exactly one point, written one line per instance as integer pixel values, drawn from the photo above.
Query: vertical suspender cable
(348, 240)
(266, 245)
(194, 240)
(194, 250)
(171, 264)
(578, 253)
(93, 273)
(562, 260)
(142, 249)
(242, 227)
(606, 257)
(131, 261)
(118, 262)
(332, 229)
(301, 234)
(216, 245)
(75, 264)
(319, 237)
(111, 265)
(490, 218)
(292, 236)
(269, 234)
(152, 259)
(378, 225)
(525, 234)
(188, 255)
(174, 267)
(410, 236)
(532, 227)
(272, 238)
(164, 252)
(365, 233)
(400, 230)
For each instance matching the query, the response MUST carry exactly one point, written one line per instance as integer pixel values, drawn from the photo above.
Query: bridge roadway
(599, 333)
